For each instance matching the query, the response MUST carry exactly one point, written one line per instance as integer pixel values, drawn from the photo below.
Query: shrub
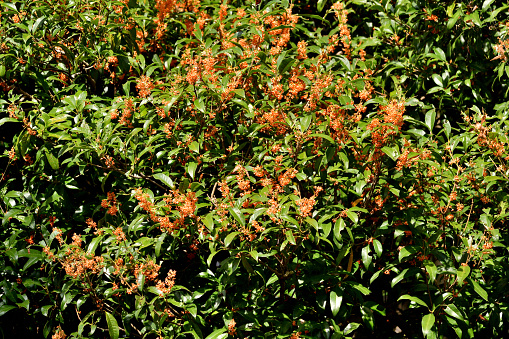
(253, 169)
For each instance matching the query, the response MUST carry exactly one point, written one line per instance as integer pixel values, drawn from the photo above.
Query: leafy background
(214, 169)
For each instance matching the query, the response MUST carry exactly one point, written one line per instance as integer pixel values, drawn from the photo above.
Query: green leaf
(391, 152)
(164, 179)
(218, 334)
(486, 4)
(427, 324)
(414, 299)
(184, 185)
(377, 245)
(312, 222)
(326, 228)
(191, 169)
(159, 243)
(6, 308)
(285, 65)
(44, 310)
(338, 227)
(407, 251)
(353, 216)
(323, 136)
(336, 297)
(359, 287)
(198, 103)
(247, 265)
(25, 304)
(450, 8)
(4, 120)
(453, 311)
(438, 80)
(366, 258)
(112, 325)
(254, 254)
(367, 317)
(93, 245)
(140, 281)
(37, 24)
(452, 22)
(430, 119)
(209, 221)
(53, 162)
(407, 272)
(431, 269)
(462, 273)
(447, 126)
(9, 5)
(440, 53)
(481, 291)
(24, 140)
(197, 32)
(320, 4)
(238, 215)
(305, 121)
(240, 92)
(195, 147)
(350, 328)
(229, 238)
(290, 237)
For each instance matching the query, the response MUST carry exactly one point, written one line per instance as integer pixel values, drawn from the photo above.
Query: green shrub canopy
(254, 169)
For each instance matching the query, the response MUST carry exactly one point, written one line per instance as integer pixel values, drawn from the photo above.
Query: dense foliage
(212, 169)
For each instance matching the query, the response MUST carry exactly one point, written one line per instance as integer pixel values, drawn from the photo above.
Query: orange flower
(231, 327)
(144, 86)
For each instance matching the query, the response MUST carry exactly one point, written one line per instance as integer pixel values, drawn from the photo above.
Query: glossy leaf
(113, 328)
(427, 324)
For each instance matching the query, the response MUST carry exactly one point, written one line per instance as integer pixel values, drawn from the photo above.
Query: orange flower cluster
(149, 269)
(394, 113)
(302, 50)
(501, 48)
(393, 119)
(48, 253)
(319, 85)
(305, 206)
(120, 234)
(231, 327)
(144, 86)
(274, 209)
(286, 177)
(337, 119)
(127, 112)
(59, 334)
(243, 183)
(274, 120)
(58, 235)
(13, 109)
(295, 84)
(485, 140)
(12, 154)
(405, 161)
(186, 206)
(108, 161)
(168, 283)
(112, 61)
(77, 263)
(232, 85)
(28, 126)
(344, 31)
(110, 203)
(281, 36)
